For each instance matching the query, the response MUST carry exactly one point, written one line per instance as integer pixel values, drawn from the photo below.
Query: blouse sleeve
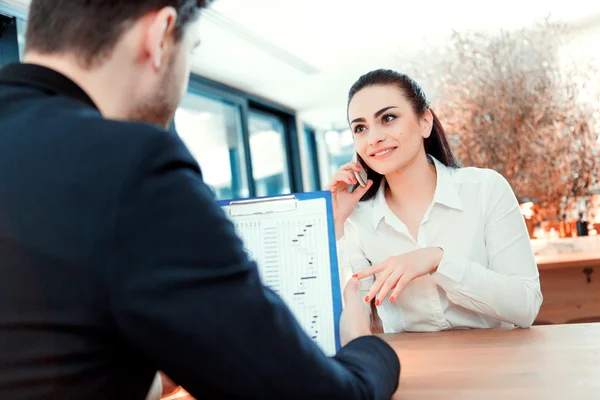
(509, 288)
(352, 259)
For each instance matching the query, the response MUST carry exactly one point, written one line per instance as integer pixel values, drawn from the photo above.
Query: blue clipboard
(288, 203)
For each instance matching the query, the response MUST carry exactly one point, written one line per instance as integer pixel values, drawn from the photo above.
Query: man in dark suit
(115, 259)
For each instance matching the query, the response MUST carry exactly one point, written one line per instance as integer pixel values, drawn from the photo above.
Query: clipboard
(292, 240)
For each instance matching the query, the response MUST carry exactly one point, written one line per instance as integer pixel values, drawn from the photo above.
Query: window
(264, 153)
(340, 149)
(312, 156)
(9, 49)
(21, 31)
(268, 153)
(212, 131)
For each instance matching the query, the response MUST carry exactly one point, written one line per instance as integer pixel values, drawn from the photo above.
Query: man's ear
(160, 36)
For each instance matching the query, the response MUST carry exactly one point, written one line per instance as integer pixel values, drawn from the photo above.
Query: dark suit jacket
(116, 261)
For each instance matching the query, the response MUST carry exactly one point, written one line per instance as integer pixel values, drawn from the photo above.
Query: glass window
(212, 131)
(21, 30)
(340, 149)
(313, 158)
(9, 49)
(269, 159)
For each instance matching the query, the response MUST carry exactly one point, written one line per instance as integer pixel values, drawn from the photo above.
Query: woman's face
(388, 135)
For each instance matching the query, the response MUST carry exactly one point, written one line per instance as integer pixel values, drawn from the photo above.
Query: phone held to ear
(361, 176)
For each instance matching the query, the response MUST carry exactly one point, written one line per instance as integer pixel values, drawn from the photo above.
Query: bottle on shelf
(562, 227)
(582, 225)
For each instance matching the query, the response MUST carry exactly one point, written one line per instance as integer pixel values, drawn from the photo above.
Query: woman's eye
(359, 128)
(388, 118)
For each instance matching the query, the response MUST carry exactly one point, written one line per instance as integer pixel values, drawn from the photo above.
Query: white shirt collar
(445, 193)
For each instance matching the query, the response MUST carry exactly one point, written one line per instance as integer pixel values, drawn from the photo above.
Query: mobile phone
(361, 176)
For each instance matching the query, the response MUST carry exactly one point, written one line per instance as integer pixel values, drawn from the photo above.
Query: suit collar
(46, 79)
(445, 193)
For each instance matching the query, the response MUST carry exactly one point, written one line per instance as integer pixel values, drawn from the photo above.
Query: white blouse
(488, 275)
(155, 392)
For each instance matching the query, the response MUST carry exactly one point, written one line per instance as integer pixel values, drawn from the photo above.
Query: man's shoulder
(128, 138)
(126, 132)
(125, 147)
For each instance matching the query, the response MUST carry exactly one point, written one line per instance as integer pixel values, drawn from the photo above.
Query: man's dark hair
(91, 28)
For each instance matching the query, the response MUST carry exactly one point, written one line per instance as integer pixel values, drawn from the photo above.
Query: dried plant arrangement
(514, 101)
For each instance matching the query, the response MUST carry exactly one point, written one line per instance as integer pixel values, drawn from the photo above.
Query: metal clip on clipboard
(263, 206)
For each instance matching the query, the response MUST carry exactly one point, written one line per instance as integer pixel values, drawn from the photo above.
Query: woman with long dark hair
(435, 246)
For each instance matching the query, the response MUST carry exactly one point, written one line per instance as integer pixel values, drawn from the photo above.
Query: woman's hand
(343, 201)
(397, 272)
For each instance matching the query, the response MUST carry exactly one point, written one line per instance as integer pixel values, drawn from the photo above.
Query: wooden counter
(571, 288)
(543, 362)
(582, 259)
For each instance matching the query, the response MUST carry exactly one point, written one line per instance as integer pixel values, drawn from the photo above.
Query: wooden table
(543, 362)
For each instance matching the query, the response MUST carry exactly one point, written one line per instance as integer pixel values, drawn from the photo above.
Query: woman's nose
(375, 136)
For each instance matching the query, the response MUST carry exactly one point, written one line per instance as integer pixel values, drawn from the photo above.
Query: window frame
(9, 49)
(247, 103)
(310, 136)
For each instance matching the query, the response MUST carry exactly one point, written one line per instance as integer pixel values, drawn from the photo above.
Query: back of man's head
(90, 28)
(133, 57)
